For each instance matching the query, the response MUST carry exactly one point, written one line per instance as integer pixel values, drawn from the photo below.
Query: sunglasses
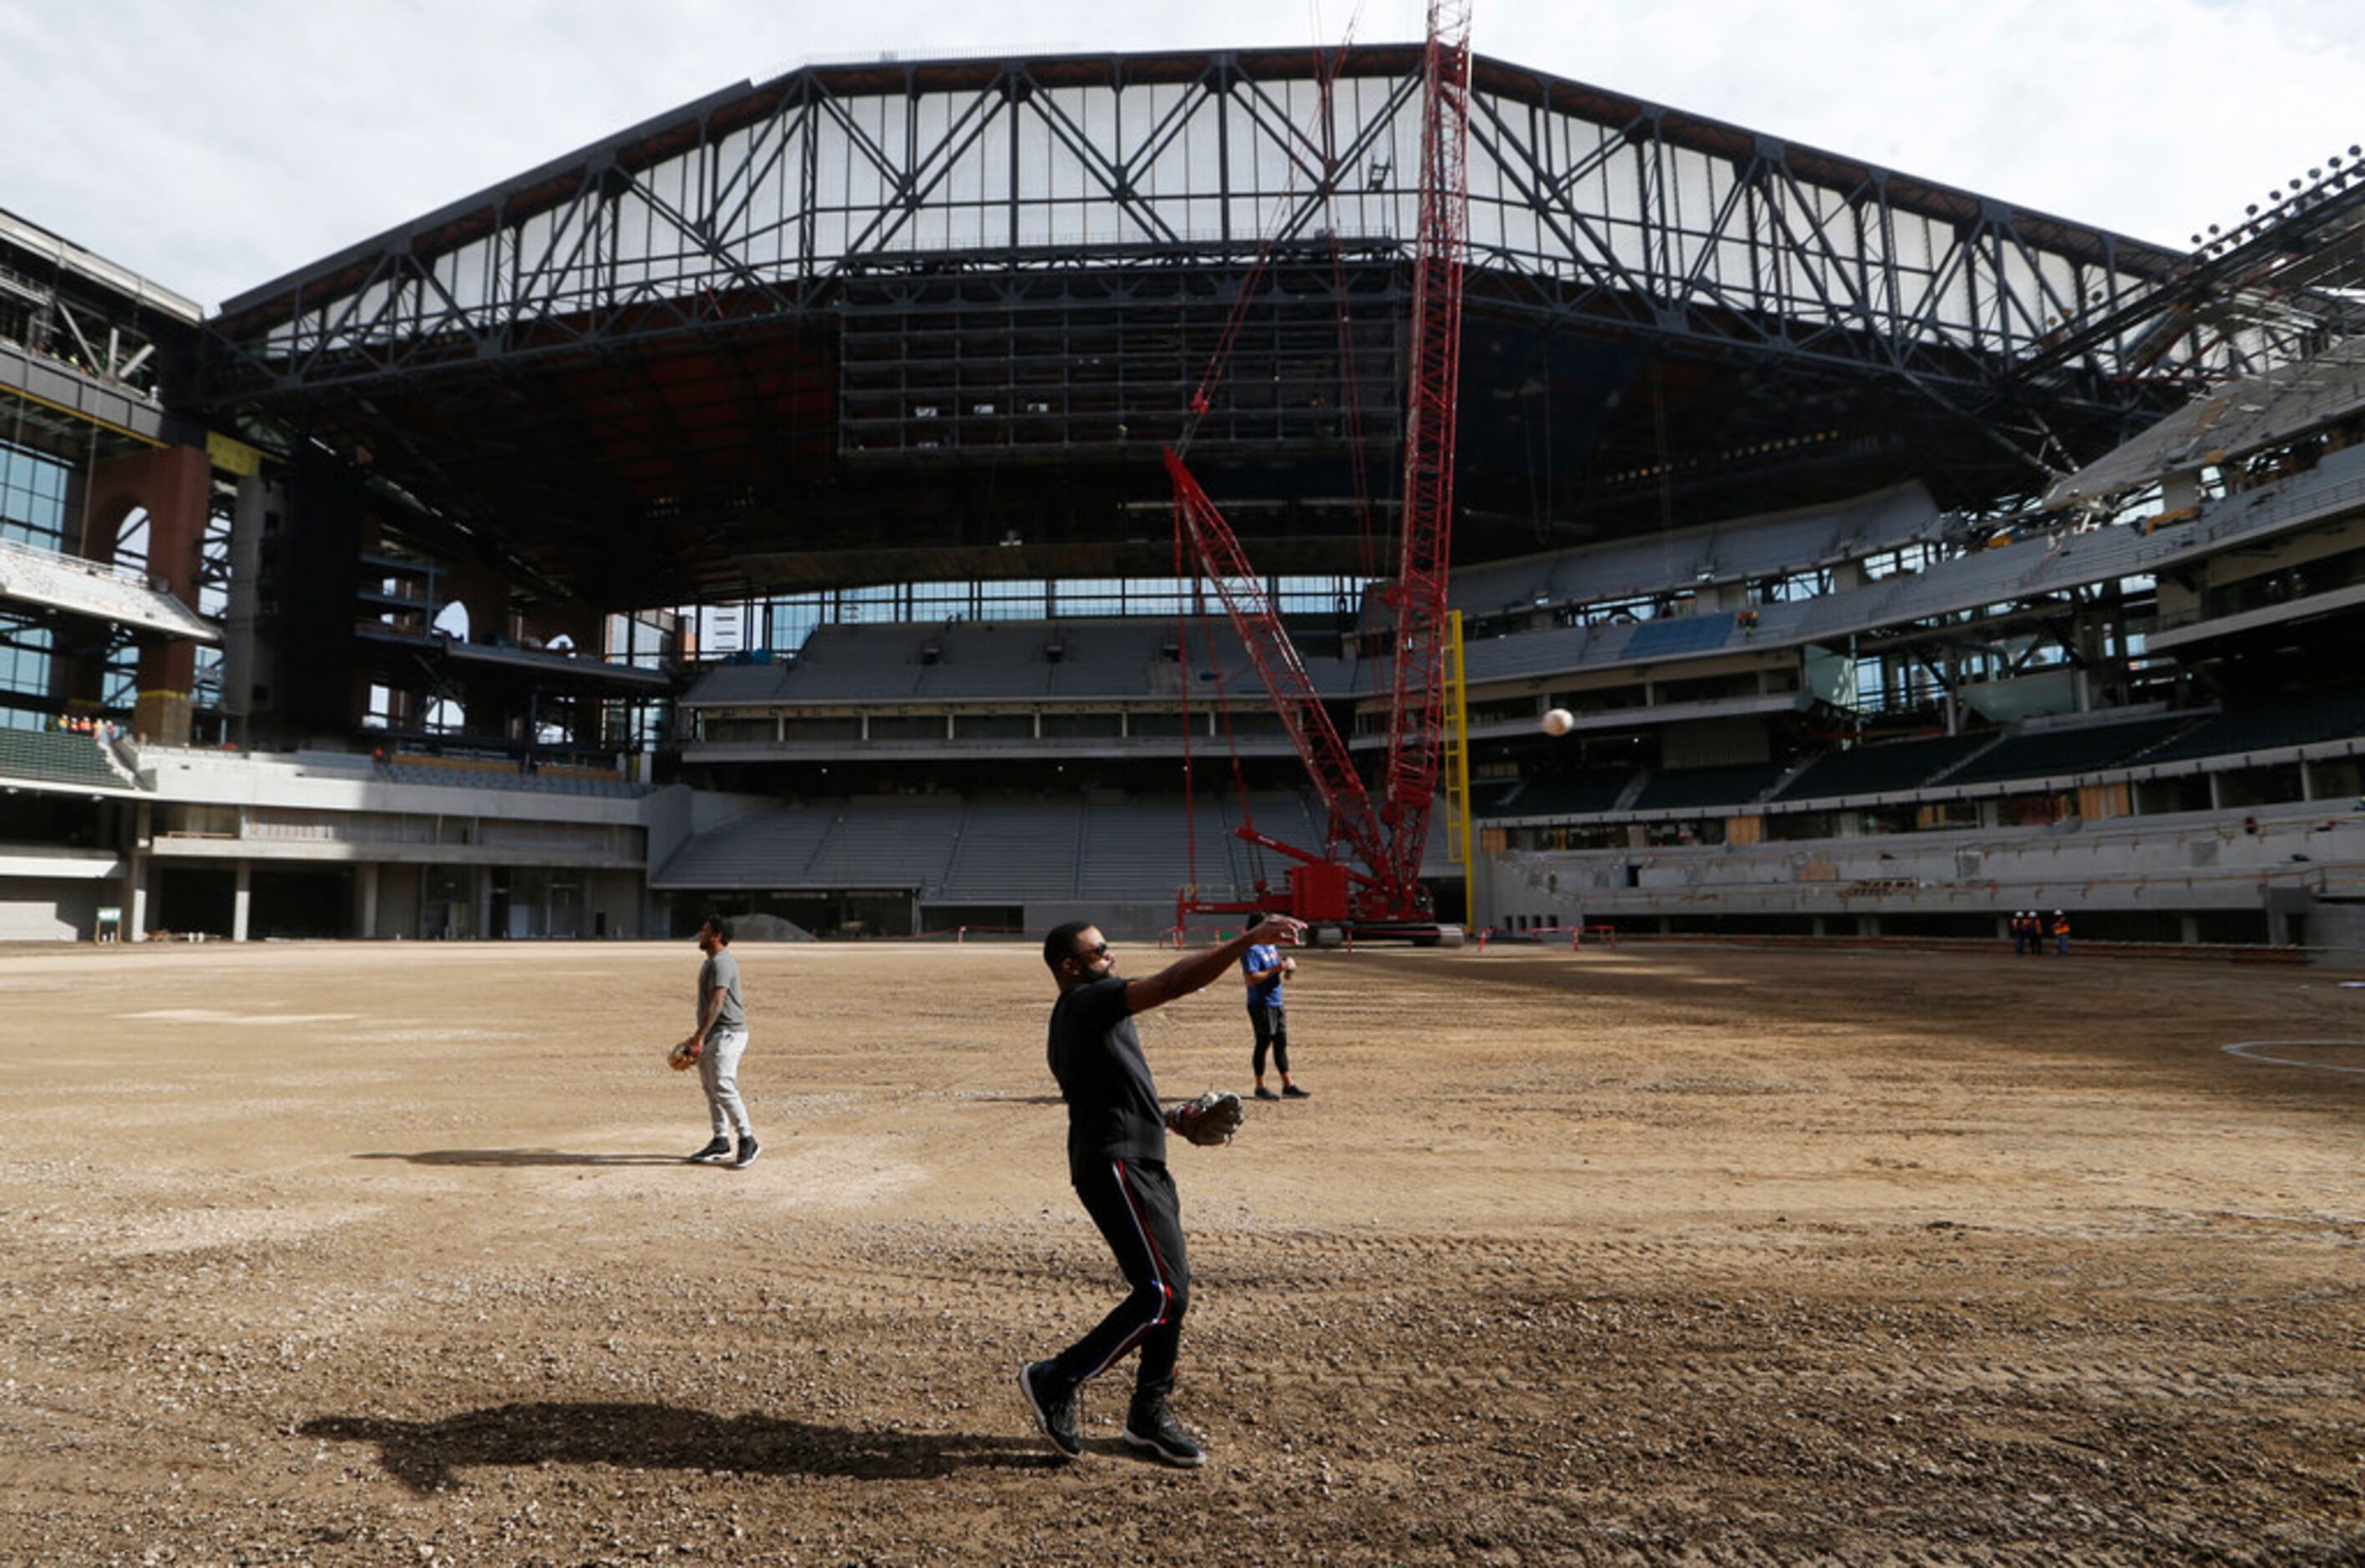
(1099, 950)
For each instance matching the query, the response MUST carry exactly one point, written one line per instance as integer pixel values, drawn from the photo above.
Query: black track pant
(1272, 1026)
(1134, 1203)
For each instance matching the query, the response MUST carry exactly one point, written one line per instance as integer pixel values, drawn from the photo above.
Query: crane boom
(1391, 836)
(1416, 713)
(1352, 821)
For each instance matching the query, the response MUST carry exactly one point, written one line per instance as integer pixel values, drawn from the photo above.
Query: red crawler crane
(1389, 836)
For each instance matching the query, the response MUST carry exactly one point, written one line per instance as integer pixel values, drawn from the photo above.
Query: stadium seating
(1880, 770)
(889, 841)
(769, 848)
(1488, 797)
(1136, 849)
(60, 581)
(54, 757)
(2301, 722)
(1007, 660)
(2060, 753)
(1676, 635)
(1556, 795)
(1108, 848)
(727, 685)
(494, 773)
(1680, 789)
(1766, 545)
(1010, 850)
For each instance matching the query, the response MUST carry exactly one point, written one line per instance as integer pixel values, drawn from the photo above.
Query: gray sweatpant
(718, 1074)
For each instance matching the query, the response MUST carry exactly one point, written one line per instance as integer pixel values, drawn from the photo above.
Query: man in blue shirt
(1262, 969)
(1117, 1160)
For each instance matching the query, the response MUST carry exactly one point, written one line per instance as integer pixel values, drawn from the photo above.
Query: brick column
(172, 483)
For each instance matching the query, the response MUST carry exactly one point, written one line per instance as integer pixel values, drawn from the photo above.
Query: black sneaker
(718, 1149)
(748, 1149)
(1264, 1093)
(1153, 1429)
(1054, 1407)
(1291, 1092)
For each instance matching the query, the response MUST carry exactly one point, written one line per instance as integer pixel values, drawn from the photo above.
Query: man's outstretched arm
(1192, 972)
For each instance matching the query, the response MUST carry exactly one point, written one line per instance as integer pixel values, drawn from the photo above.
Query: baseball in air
(1559, 721)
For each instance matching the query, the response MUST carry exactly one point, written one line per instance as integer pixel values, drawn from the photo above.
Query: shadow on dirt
(423, 1455)
(521, 1157)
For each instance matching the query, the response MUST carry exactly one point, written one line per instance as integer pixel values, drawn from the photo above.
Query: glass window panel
(866, 606)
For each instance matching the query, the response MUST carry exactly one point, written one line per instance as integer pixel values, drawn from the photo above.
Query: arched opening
(443, 716)
(131, 535)
(120, 680)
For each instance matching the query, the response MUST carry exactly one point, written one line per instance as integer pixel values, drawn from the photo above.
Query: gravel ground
(347, 1254)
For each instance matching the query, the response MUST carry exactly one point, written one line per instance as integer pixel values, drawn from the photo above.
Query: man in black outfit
(1116, 1158)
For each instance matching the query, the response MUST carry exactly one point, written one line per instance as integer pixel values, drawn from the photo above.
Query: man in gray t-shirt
(720, 1038)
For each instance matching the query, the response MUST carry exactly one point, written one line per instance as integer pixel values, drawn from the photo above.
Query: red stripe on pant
(1135, 1207)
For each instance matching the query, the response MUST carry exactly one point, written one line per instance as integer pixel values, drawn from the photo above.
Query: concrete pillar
(484, 902)
(240, 900)
(2187, 928)
(248, 519)
(135, 873)
(369, 900)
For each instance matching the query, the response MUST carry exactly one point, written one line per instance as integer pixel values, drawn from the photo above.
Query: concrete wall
(398, 891)
(36, 908)
(1134, 922)
(614, 898)
(2302, 858)
(2336, 933)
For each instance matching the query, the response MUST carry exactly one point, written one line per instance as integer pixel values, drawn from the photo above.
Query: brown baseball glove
(684, 1056)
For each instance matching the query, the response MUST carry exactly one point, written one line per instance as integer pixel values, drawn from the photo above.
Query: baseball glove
(684, 1056)
(1210, 1119)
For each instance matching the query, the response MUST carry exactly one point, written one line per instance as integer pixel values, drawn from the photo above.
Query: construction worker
(2060, 935)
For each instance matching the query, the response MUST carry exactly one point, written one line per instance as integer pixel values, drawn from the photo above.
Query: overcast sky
(212, 145)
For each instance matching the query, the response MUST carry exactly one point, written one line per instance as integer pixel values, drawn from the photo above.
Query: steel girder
(764, 200)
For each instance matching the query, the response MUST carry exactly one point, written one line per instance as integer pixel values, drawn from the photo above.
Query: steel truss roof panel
(705, 343)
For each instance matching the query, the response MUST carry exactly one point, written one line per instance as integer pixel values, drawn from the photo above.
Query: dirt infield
(388, 1255)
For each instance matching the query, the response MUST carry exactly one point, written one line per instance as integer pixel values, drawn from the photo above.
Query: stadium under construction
(770, 508)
